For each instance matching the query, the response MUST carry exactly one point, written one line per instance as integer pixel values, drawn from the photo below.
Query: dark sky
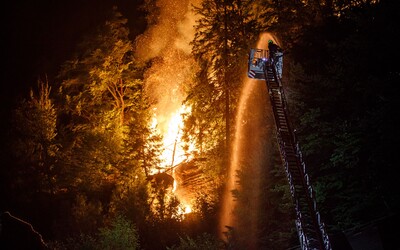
(39, 35)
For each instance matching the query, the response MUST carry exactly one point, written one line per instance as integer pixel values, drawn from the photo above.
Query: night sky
(39, 35)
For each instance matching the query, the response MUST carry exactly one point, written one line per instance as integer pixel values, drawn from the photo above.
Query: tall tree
(223, 32)
(108, 145)
(35, 145)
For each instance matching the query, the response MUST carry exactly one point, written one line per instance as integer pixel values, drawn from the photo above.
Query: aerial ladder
(311, 230)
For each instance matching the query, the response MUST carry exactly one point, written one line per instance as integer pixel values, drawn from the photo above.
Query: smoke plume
(166, 44)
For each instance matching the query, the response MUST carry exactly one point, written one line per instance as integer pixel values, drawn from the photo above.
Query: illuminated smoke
(166, 44)
(172, 28)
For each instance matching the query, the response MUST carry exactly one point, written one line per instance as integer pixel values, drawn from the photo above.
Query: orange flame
(173, 154)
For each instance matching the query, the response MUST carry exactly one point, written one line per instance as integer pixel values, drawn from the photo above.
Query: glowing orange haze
(173, 153)
(167, 45)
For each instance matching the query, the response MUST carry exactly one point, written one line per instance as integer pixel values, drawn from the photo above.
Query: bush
(122, 235)
(202, 242)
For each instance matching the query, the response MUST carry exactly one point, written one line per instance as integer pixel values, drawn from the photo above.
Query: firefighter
(273, 49)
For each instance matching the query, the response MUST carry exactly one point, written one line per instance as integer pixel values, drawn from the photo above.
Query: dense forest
(81, 157)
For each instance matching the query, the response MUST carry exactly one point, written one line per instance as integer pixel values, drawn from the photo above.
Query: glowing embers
(164, 201)
(183, 209)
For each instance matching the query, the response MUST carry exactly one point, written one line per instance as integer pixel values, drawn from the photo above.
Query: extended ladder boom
(310, 228)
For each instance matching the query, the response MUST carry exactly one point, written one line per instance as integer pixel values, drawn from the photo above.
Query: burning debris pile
(191, 180)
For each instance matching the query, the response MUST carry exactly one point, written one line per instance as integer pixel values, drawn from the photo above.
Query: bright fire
(173, 153)
(166, 43)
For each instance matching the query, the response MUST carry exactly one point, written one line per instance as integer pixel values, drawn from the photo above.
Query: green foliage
(205, 205)
(221, 40)
(337, 105)
(106, 117)
(87, 214)
(217, 46)
(79, 242)
(224, 29)
(121, 235)
(131, 198)
(201, 242)
(35, 146)
(264, 204)
(106, 144)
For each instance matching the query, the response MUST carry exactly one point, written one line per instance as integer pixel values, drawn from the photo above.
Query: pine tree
(35, 146)
(223, 32)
